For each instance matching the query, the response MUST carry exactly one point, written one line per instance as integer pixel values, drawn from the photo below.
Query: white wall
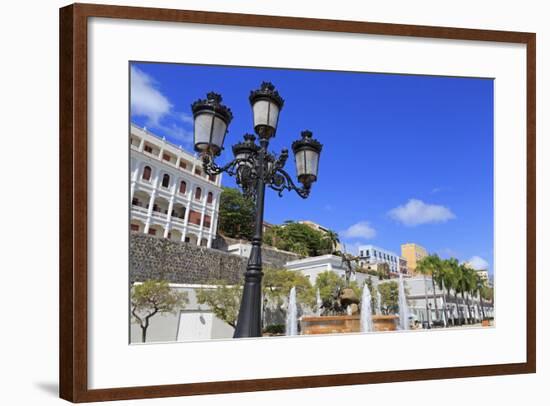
(29, 84)
(167, 327)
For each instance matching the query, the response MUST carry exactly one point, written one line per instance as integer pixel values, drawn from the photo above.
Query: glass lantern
(266, 105)
(306, 154)
(211, 121)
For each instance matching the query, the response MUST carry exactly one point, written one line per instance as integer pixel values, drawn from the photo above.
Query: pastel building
(170, 195)
(413, 253)
(374, 256)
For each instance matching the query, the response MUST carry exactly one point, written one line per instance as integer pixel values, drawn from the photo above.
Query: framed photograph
(255, 202)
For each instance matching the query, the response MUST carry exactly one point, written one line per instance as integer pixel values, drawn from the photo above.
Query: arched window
(165, 180)
(146, 173)
(198, 193)
(210, 198)
(183, 187)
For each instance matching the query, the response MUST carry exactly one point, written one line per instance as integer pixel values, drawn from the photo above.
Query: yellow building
(413, 253)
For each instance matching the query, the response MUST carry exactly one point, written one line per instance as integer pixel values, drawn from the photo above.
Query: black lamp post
(254, 168)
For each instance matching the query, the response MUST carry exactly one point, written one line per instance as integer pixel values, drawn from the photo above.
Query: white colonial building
(372, 255)
(170, 195)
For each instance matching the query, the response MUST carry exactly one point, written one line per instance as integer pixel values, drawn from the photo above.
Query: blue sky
(406, 158)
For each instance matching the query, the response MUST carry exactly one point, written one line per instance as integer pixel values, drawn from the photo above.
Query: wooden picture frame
(73, 200)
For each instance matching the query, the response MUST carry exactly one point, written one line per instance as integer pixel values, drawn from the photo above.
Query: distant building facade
(440, 306)
(372, 256)
(170, 195)
(483, 274)
(413, 253)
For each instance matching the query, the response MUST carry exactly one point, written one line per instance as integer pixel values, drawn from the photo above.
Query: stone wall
(177, 262)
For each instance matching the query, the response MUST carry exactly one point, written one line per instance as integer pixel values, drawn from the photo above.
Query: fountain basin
(344, 324)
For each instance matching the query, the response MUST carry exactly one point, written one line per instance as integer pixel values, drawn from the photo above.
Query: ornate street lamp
(254, 168)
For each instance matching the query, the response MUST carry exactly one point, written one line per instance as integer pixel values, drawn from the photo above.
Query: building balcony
(178, 220)
(140, 209)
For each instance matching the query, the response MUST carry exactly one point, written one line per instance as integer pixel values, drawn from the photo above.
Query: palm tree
(472, 285)
(430, 265)
(481, 289)
(424, 268)
(478, 287)
(445, 281)
(332, 240)
(464, 287)
(437, 269)
(452, 281)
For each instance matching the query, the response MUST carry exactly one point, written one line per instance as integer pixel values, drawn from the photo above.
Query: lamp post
(429, 315)
(254, 168)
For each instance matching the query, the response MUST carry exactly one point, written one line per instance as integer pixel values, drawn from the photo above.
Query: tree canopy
(328, 282)
(152, 297)
(300, 239)
(389, 295)
(236, 214)
(276, 285)
(223, 299)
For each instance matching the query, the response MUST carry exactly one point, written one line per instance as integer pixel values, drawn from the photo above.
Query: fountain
(366, 310)
(292, 314)
(341, 315)
(319, 302)
(403, 308)
(341, 311)
(378, 302)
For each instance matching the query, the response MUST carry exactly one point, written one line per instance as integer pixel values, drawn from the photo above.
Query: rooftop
(178, 148)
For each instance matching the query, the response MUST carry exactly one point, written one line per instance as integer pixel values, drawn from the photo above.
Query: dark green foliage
(300, 239)
(224, 300)
(275, 329)
(389, 294)
(236, 214)
(328, 283)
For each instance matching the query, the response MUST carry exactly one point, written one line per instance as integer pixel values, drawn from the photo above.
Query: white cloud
(478, 263)
(359, 230)
(416, 212)
(146, 99)
(178, 133)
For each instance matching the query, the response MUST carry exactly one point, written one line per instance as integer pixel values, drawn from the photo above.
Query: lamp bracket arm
(279, 180)
(231, 168)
